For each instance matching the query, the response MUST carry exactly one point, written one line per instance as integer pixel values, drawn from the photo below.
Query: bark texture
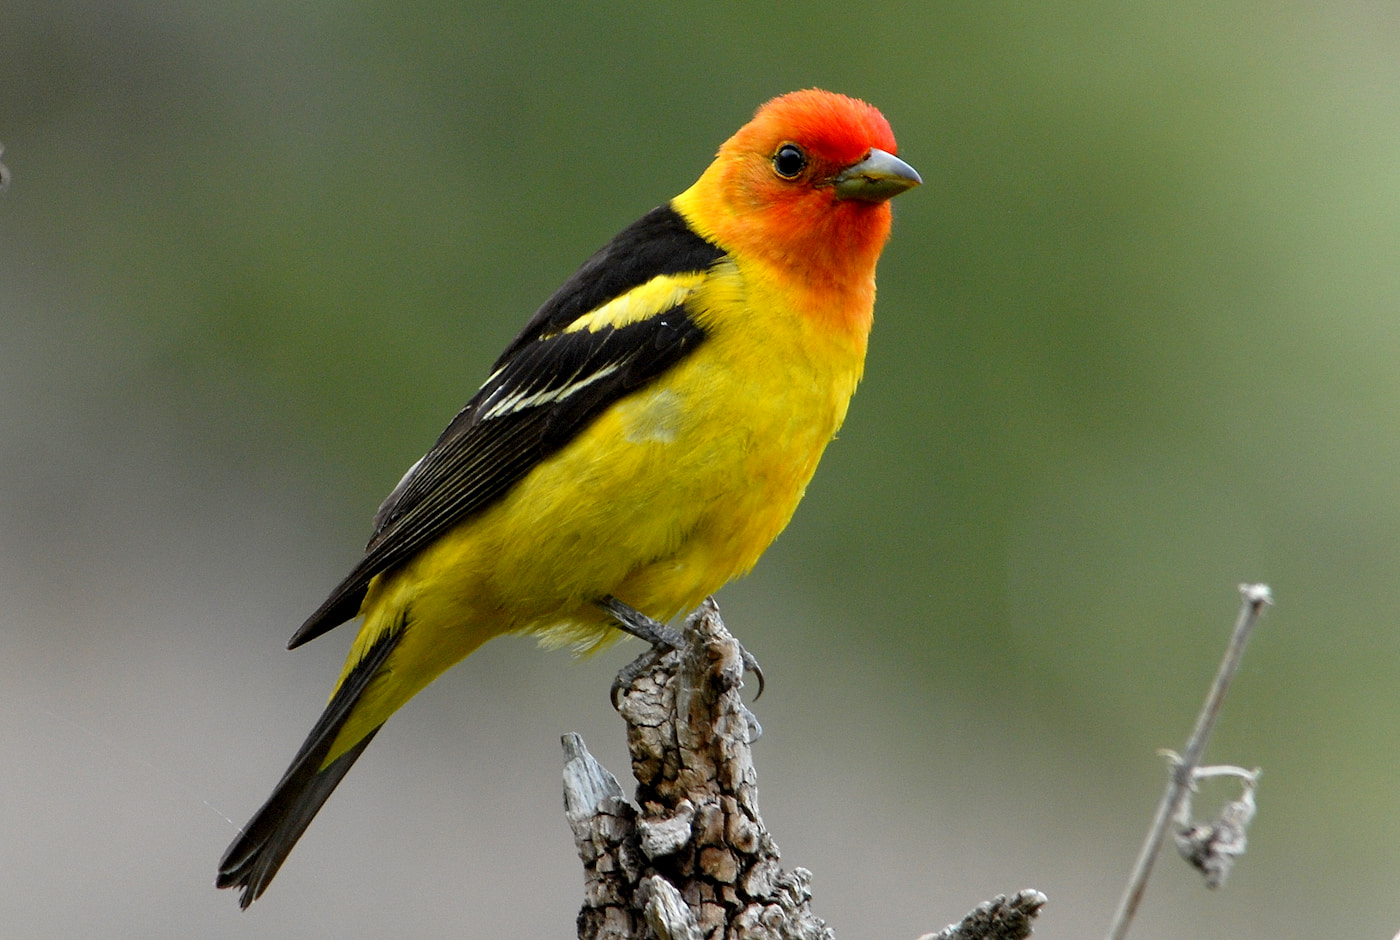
(691, 858)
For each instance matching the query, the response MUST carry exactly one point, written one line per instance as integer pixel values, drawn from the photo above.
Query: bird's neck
(822, 257)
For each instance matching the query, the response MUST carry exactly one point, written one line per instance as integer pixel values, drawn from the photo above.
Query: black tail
(263, 845)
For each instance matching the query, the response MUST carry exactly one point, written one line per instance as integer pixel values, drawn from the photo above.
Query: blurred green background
(1138, 340)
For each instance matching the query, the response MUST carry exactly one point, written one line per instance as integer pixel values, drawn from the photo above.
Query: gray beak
(878, 177)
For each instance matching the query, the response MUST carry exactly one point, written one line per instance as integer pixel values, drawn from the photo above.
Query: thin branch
(1254, 598)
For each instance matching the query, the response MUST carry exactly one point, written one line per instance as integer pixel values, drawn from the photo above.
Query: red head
(803, 188)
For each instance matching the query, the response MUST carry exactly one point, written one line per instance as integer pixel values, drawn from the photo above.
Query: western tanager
(642, 441)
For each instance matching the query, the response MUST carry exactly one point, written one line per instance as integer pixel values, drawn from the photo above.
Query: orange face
(781, 189)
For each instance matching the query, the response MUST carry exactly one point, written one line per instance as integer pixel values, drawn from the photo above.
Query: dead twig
(1186, 769)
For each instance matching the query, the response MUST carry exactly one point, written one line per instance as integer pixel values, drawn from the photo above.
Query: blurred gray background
(1137, 341)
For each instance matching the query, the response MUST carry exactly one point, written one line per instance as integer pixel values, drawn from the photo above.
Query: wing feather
(569, 364)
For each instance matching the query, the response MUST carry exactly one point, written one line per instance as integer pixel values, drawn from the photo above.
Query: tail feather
(260, 849)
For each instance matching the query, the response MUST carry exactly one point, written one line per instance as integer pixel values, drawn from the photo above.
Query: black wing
(545, 388)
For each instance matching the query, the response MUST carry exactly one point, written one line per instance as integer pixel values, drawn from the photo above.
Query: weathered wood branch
(692, 858)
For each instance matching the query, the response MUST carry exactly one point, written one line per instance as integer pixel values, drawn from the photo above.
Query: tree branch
(692, 858)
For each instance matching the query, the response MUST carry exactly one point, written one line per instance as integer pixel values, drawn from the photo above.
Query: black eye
(789, 161)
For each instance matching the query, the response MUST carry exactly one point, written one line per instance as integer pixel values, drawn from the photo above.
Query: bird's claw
(629, 673)
(751, 665)
(662, 639)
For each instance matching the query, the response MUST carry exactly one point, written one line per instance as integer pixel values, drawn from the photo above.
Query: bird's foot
(633, 621)
(662, 640)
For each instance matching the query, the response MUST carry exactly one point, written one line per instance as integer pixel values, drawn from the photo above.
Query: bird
(638, 445)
